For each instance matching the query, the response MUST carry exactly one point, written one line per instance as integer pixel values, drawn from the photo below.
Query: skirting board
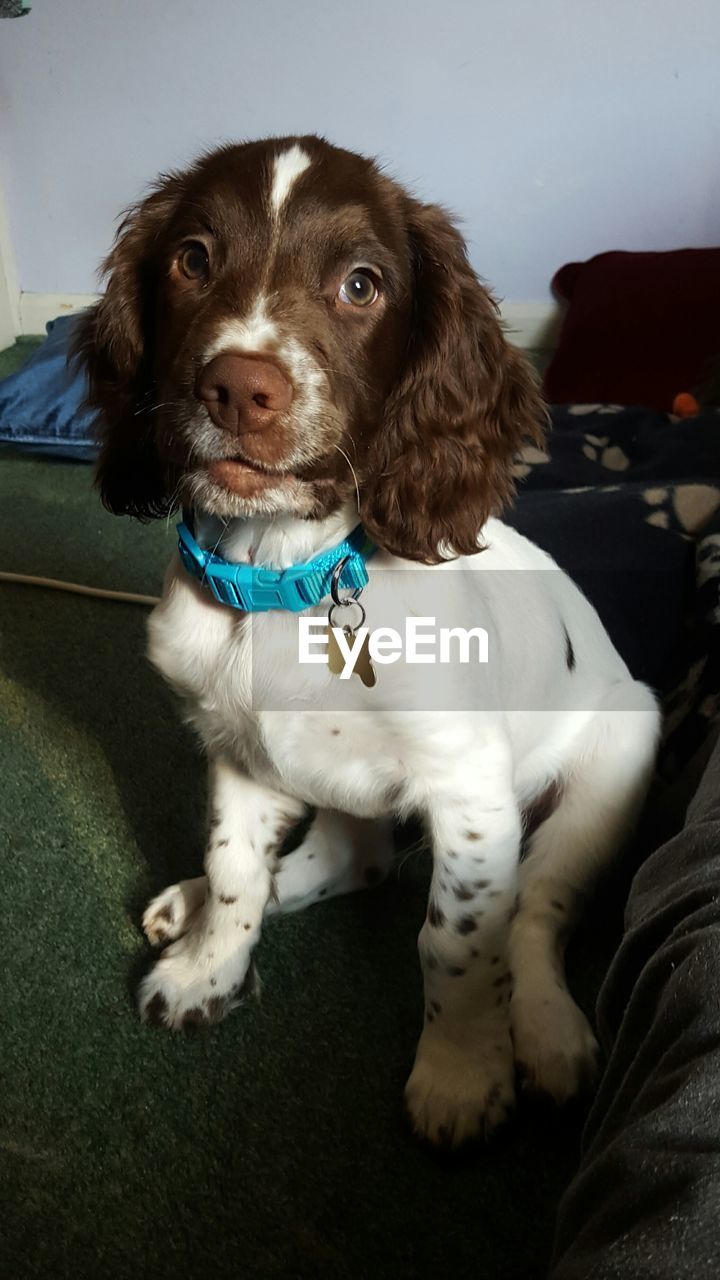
(9, 292)
(531, 325)
(37, 308)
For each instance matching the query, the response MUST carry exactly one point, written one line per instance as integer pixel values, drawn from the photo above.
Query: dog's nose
(243, 393)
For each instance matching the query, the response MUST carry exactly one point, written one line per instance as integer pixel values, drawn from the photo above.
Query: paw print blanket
(627, 500)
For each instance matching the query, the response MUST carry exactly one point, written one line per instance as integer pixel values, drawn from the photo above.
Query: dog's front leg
(202, 976)
(462, 1083)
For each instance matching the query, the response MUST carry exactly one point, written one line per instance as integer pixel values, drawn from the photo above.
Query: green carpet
(275, 1144)
(13, 357)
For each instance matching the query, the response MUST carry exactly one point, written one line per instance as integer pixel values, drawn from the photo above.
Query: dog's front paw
(168, 916)
(455, 1094)
(181, 993)
(555, 1049)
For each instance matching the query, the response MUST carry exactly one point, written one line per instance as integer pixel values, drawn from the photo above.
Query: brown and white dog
(291, 344)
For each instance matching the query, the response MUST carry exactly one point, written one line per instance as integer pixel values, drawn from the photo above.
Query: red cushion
(640, 327)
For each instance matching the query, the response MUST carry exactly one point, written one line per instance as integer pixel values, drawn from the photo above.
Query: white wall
(556, 128)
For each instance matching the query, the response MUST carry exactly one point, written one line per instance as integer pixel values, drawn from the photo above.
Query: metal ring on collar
(352, 596)
(343, 604)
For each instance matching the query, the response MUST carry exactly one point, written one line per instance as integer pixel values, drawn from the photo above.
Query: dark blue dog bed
(41, 406)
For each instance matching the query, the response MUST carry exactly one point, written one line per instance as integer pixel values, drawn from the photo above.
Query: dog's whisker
(174, 496)
(164, 404)
(349, 377)
(418, 846)
(354, 474)
(224, 522)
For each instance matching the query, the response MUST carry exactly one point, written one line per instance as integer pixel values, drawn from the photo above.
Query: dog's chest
(291, 726)
(201, 649)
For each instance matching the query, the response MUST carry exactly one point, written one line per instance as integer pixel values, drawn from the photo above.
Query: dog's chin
(232, 489)
(246, 481)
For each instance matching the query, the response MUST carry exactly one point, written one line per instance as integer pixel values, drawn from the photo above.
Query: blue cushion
(41, 405)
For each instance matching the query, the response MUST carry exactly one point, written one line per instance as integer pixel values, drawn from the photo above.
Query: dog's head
(282, 324)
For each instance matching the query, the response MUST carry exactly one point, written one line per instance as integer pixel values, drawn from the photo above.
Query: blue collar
(255, 589)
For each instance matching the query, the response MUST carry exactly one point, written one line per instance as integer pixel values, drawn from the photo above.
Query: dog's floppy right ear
(113, 341)
(463, 406)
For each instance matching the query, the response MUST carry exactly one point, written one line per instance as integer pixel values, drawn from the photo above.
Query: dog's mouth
(246, 479)
(238, 487)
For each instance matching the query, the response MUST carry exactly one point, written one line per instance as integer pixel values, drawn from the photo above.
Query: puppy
(297, 351)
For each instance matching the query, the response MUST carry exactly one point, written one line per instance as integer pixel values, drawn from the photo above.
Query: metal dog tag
(363, 665)
(336, 658)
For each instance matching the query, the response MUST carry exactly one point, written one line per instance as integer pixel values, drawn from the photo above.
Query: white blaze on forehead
(255, 333)
(287, 168)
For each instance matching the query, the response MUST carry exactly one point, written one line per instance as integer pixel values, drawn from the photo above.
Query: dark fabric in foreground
(647, 1198)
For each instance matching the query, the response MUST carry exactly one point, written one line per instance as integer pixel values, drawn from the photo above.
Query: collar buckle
(255, 589)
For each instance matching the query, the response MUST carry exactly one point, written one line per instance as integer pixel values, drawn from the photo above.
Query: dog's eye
(359, 289)
(193, 261)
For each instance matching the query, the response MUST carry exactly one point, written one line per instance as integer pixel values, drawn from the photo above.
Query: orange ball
(685, 405)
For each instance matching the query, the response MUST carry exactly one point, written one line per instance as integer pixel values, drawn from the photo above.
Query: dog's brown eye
(193, 261)
(359, 289)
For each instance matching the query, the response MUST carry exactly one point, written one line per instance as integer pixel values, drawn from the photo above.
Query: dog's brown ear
(114, 341)
(466, 401)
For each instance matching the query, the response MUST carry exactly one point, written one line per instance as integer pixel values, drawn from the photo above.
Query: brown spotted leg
(339, 854)
(461, 1085)
(201, 977)
(555, 1049)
